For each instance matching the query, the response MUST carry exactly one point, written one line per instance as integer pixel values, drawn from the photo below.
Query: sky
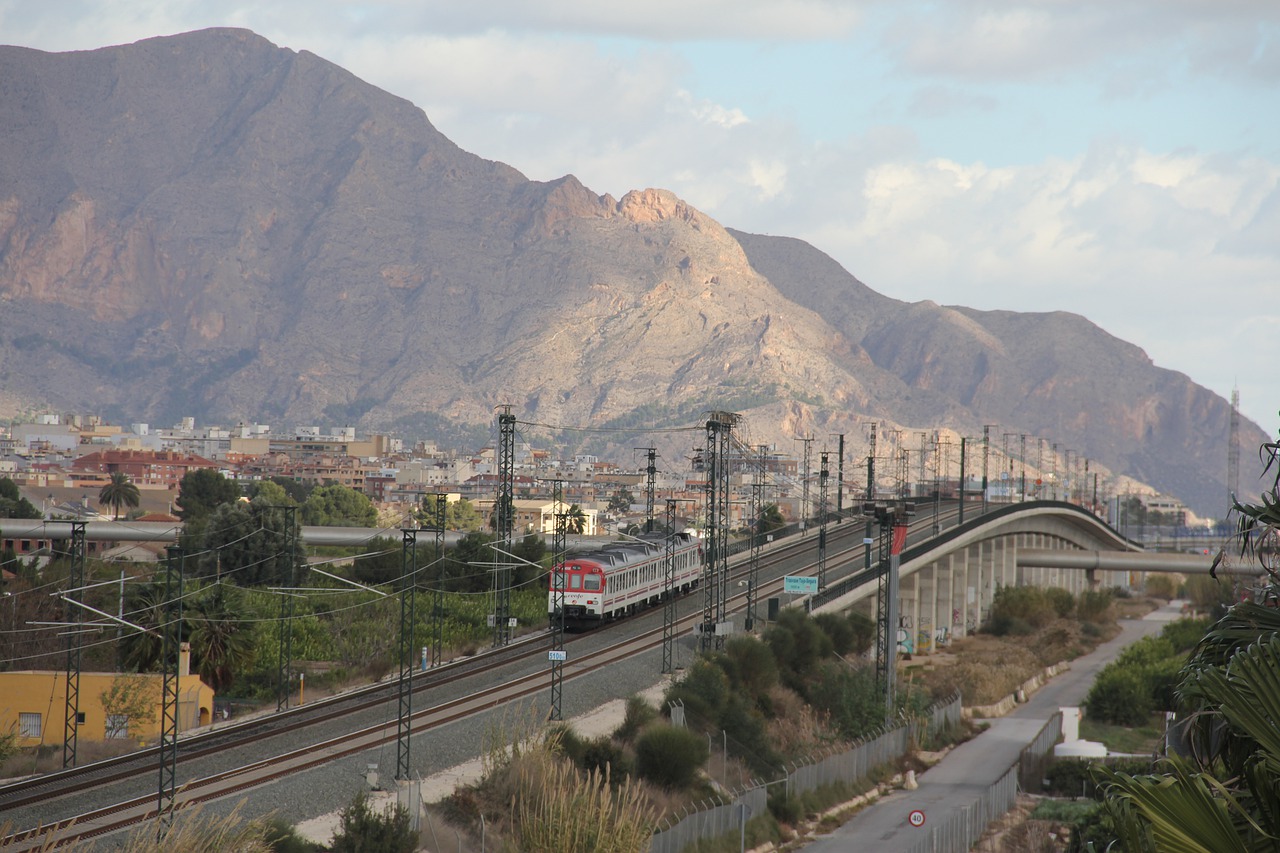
(1118, 159)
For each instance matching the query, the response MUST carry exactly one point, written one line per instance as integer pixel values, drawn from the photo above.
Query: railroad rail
(787, 556)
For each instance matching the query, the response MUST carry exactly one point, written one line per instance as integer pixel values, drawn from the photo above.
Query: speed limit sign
(916, 818)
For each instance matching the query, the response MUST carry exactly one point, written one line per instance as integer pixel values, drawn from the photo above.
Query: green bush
(838, 631)
(1184, 634)
(864, 632)
(1145, 651)
(748, 737)
(1120, 695)
(1094, 606)
(1062, 600)
(639, 714)
(749, 665)
(670, 757)
(1073, 777)
(849, 697)
(362, 830)
(283, 838)
(798, 645)
(704, 690)
(1019, 610)
(601, 753)
(1163, 679)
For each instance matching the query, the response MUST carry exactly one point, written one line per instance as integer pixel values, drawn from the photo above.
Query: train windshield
(591, 583)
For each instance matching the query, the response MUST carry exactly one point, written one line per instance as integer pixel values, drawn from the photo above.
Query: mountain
(210, 225)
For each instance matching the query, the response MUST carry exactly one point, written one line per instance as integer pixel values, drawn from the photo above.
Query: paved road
(971, 768)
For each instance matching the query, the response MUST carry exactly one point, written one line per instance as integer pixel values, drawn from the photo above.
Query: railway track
(268, 734)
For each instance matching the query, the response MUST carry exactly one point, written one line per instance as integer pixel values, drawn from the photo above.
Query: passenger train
(623, 577)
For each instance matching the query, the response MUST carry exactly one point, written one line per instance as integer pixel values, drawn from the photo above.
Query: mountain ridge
(208, 224)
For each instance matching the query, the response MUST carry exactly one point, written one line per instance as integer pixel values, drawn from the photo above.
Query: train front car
(584, 585)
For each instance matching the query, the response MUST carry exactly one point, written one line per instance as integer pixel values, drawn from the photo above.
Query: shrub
(284, 838)
(1209, 596)
(838, 630)
(363, 830)
(1184, 634)
(704, 690)
(1094, 606)
(1145, 652)
(748, 738)
(1062, 600)
(639, 714)
(864, 632)
(798, 646)
(670, 757)
(1161, 586)
(750, 665)
(849, 697)
(601, 755)
(1162, 680)
(1120, 695)
(1019, 610)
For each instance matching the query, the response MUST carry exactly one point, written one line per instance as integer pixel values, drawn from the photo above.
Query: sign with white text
(796, 585)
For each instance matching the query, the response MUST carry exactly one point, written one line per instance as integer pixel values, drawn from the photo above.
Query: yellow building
(34, 705)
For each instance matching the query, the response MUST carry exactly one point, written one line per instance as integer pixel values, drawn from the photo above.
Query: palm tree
(1224, 796)
(121, 491)
(575, 519)
(221, 644)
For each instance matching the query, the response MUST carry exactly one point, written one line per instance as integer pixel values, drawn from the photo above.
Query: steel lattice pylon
(504, 522)
(650, 487)
(404, 692)
(557, 655)
(287, 578)
(757, 537)
(75, 645)
(824, 473)
(170, 657)
(716, 565)
(669, 578)
(437, 590)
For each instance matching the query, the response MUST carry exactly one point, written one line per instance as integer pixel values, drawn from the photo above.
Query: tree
(130, 701)
(245, 543)
(13, 504)
(575, 520)
(120, 491)
(221, 644)
(462, 515)
(202, 491)
(271, 492)
(337, 505)
(1224, 795)
(621, 501)
(670, 756)
(770, 519)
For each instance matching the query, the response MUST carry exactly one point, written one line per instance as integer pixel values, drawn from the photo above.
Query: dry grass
(192, 831)
(986, 668)
(536, 799)
(30, 761)
(796, 729)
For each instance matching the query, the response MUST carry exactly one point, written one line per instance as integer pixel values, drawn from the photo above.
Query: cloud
(1021, 40)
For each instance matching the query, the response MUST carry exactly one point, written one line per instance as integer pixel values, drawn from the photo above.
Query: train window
(591, 583)
(558, 580)
(575, 581)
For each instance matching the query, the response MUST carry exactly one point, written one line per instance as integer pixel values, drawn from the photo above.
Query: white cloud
(1170, 244)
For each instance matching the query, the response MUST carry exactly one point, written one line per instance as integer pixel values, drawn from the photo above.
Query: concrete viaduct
(948, 581)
